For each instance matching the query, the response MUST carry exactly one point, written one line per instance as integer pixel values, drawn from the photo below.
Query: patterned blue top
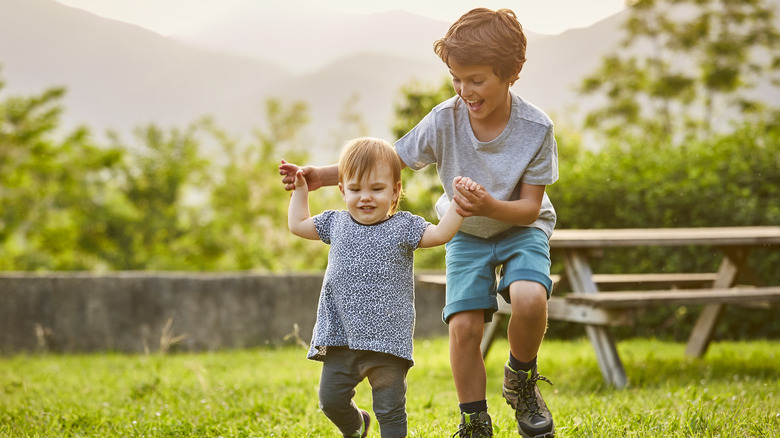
(367, 297)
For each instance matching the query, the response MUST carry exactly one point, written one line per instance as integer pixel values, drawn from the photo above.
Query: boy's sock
(518, 365)
(473, 407)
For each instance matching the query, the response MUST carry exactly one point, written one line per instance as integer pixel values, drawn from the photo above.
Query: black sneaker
(366, 422)
(534, 420)
(475, 425)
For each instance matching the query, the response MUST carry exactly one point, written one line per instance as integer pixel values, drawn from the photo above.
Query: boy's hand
(472, 198)
(289, 171)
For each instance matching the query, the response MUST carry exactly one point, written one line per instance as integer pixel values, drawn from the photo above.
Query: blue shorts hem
(527, 275)
(488, 303)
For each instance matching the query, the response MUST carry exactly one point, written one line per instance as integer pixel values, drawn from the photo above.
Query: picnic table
(599, 311)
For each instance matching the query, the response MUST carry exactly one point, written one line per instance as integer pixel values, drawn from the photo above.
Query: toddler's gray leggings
(343, 369)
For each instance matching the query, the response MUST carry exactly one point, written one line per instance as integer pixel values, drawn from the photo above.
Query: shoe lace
(528, 394)
(468, 429)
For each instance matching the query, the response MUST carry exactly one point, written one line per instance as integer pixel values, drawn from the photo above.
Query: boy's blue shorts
(522, 253)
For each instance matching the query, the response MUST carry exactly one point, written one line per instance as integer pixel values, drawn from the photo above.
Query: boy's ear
(341, 189)
(515, 74)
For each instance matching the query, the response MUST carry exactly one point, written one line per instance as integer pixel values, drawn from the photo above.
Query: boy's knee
(528, 295)
(466, 327)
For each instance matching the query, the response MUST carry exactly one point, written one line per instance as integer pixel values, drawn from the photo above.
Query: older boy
(506, 145)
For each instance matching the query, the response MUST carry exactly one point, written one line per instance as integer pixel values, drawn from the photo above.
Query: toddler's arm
(442, 233)
(298, 217)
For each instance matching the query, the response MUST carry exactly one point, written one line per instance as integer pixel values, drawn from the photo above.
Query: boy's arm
(298, 217)
(449, 224)
(476, 201)
(315, 177)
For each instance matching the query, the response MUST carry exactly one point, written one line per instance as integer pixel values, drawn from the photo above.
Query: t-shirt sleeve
(415, 228)
(323, 223)
(543, 169)
(417, 147)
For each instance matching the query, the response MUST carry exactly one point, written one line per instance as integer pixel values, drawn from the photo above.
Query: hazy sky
(171, 16)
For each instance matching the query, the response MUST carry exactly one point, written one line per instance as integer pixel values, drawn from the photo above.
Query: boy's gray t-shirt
(524, 152)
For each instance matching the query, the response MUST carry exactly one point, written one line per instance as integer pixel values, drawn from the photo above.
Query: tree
(421, 189)
(417, 100)
(48, 187)
(703, 58)
(148, 222)
(249, 204)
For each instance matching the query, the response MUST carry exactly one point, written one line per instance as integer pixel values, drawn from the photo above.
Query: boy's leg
(527, 285)
(468, 372)
(528, 322)
(527, 326)
(468, 367)
(471, 301)
(387, 375)
(340, 376)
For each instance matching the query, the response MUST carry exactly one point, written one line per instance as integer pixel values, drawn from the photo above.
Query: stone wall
(144, 311)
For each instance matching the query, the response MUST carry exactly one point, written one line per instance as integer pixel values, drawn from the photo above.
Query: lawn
(271, 392)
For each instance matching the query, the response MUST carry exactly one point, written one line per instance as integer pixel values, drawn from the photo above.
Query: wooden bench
(617, 308)
(671, 280)
(601, 309)
(563, 309)
(642, 299)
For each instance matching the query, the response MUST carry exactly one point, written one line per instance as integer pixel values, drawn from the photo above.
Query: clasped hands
(471, 198)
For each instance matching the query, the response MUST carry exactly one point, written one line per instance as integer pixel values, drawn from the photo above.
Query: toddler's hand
(465, 183)
(472, 198)
(289, 173)
(300, 181)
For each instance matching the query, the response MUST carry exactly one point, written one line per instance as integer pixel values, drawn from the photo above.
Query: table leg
(490, 333)
(580, 278)
(606, 353)
(704, 330)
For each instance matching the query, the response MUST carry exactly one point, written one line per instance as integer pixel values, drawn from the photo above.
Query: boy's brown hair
(486, 37)
(361, 155)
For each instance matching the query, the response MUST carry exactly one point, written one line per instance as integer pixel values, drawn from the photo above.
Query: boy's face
(484, 92)
(369, 199)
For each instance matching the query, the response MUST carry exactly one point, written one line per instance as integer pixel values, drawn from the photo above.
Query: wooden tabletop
(715, 236)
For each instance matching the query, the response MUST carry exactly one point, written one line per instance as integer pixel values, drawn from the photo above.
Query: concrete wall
(129, 312)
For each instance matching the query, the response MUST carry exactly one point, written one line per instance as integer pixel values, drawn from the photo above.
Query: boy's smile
(475, 105)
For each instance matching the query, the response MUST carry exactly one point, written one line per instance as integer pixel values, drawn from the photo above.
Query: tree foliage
(155, 202)
(686, 68)
(421, 189)
(48, 188)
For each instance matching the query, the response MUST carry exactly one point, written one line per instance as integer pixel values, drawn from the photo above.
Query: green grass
(271, 392)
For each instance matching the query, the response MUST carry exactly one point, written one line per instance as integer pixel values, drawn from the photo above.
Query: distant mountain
(304, 37)
(120, 76)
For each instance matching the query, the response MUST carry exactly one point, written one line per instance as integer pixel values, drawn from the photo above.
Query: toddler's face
(369, 200)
